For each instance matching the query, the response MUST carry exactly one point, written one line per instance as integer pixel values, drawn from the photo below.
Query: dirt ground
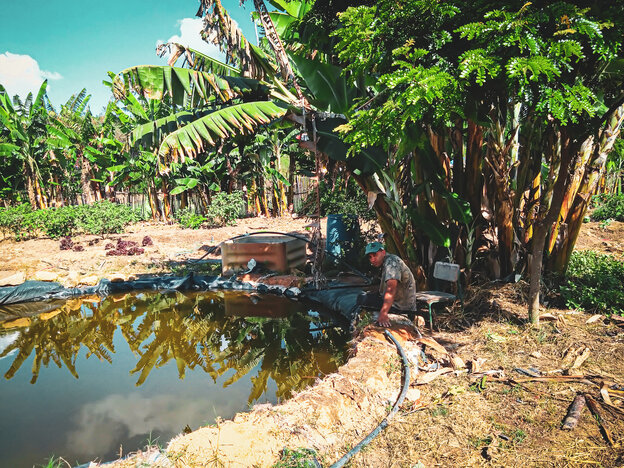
(498, 393)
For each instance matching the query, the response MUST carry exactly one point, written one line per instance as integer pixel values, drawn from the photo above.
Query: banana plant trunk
(85, 181)
(30, 186)
(593, 173)
(166, 205)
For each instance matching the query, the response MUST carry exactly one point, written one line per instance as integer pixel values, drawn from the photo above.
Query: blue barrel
(343, 233)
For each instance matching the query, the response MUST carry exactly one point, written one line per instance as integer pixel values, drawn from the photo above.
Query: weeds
(297, 458)
(594, 282)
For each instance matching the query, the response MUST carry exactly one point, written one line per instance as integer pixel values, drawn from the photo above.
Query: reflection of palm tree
(193, 330)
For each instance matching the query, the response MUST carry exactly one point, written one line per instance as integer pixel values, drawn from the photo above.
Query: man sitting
(397, 291)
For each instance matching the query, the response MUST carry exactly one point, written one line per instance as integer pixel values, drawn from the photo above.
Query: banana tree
(30, 137)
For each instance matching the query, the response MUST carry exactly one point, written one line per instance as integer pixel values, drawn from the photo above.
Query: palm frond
(235, 120)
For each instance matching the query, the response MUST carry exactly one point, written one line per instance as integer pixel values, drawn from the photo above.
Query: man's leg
(370, 300)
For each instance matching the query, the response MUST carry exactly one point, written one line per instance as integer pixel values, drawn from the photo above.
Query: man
(397, 291)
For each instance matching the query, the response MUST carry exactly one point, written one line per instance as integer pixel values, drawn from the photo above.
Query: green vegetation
(225, 208)
(189, 219)
(297, 458)
(475, 131)
(339, 198)
(594, 282)
(100, 218)
(608, 207)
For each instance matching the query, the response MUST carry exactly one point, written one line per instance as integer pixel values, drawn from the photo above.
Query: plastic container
(343, 234)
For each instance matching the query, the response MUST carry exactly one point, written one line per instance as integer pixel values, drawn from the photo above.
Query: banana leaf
(331, 91)
(154, 82)
(231, 121)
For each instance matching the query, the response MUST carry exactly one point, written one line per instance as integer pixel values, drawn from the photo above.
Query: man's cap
(373, 247)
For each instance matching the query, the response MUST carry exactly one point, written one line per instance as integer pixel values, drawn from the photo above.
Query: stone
(73, 278)
(12, 279)
(117, 277)
(46, 276)
(89, 280)
(413, 394)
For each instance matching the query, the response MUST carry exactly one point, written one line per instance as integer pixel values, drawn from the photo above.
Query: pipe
(383, 424)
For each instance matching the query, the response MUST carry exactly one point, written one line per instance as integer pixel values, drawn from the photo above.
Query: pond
(93, 379)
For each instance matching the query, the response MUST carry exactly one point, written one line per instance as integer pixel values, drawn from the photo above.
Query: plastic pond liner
(95, 373)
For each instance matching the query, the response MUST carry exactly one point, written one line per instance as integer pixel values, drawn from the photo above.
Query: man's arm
(388, 300)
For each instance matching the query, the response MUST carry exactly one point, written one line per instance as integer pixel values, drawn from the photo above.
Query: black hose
(296, 236)
(383, 424)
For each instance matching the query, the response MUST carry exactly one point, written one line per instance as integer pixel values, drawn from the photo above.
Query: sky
(74, 43)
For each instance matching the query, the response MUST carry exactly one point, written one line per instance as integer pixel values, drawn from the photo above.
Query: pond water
(93, 379)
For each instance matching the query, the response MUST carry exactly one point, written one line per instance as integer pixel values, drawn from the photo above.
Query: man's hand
(383, 320)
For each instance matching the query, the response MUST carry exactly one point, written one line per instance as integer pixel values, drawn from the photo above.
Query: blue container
(343, 233)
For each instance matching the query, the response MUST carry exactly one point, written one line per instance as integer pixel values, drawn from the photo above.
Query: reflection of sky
(6, 341)
(81, 419)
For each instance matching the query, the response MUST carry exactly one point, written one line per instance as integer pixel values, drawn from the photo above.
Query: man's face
(376, 259)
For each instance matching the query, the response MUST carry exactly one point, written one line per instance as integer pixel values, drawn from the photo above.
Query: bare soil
(488, 413)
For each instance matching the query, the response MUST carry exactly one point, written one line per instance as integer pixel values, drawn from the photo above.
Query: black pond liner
(34, 297)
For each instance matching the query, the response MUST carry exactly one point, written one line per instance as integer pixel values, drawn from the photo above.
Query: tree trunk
(166, 200)
(535, 271)
(290, 194)
(152, 196)
(587, 187)
(548, 214)
(85, 180)
(30, 186)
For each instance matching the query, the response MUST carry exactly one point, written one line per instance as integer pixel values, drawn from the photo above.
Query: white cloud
(20, 74)
(190, 36)
(102, 425)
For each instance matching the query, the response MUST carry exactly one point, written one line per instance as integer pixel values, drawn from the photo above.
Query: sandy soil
(171, 251)
(478, 410)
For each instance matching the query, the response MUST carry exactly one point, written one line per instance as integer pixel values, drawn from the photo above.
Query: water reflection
(108, 373)
(222, 333)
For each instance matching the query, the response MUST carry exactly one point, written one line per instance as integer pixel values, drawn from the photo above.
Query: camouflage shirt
(394, 268)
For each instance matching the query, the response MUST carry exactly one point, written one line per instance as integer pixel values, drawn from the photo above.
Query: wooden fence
(302, 187)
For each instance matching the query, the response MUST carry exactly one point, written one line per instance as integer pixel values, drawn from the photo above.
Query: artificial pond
(93, 379)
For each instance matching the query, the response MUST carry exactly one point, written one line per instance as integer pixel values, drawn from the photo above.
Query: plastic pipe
(383, 424)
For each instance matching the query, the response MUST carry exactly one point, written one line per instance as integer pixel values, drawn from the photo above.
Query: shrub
(340, 200)
(20, 221)
(58, 222)
(608, 206)
(594, 282)
(100, 218)
(105, 217)
(225, 208)
(189, 219)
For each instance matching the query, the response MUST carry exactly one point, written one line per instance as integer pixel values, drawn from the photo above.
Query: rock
(413, 394)
(117, 277)
(89, 280)
(46, 276)
(12, 279)
(536, 354)
(73, 278)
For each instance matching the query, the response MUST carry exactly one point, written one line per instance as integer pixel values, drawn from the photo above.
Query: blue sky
(74, 43)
